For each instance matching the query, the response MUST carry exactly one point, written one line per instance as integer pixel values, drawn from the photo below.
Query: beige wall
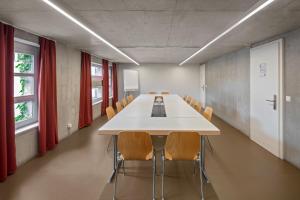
(68, 92)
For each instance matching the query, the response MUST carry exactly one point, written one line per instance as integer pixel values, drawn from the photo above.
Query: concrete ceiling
(154, 31)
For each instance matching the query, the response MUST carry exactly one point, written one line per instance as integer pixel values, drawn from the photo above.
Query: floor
(80, 165)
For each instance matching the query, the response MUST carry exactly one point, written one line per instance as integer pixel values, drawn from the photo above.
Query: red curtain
(105, 87)
(85, 109)
(115, 83)
(7, 120)
(48, 136)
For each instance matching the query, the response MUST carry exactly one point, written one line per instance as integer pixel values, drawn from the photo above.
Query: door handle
(274, 101)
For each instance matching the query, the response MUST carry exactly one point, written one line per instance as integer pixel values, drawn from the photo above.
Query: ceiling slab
(152, 31)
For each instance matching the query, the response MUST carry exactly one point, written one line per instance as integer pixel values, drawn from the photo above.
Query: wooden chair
(165, 93)
(188, 99)
(208, 112)
(182, 146)
(197, 106)
(136, 146)
(152, 92)
(110, 112)
(124, 102)
(192, 102)
(119, 106)
(130, 98)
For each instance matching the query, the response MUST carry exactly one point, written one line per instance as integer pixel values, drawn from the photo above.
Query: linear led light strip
(256, 10)
(88, 29)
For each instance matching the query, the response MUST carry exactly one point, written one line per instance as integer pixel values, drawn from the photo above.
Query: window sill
(97, 102)
(25, 129)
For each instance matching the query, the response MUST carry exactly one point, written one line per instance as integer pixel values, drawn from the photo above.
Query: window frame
(31, 50)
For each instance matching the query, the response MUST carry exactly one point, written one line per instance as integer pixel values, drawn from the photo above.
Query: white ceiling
(154, 31)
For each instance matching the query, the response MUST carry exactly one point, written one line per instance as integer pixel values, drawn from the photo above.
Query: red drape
(115, 83)
(105, 87)
(48, 137)
(85, 109)
(7, 121)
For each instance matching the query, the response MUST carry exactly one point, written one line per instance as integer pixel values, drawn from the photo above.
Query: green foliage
(23, 63)
(24, 114)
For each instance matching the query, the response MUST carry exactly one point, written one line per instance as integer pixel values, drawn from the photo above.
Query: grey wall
(182, 80)
(228, 88)
(292, 88)
(68, 91)
(228, 91)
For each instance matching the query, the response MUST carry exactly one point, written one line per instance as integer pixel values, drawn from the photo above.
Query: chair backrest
(208, 113)
(135, 145)
(188, 99)
(130, 98)
(124, 102)
(110, 112)
(165, 92)
(197, 106)
(119, 106)
(182, 146)
(152, 92)
(192, 102)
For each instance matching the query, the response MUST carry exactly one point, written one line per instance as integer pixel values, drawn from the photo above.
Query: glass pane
(96, 70)
(96, 94)
(23, 111)
(110, 91)
(24, 63)
(23, 86)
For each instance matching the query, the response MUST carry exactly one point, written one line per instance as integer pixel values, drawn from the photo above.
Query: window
(110, 80)
(25, 84)
(96, 82)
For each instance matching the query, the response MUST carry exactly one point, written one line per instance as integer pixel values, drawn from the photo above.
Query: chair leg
(162, 177)
(210, 145)
(115, 185)
(123, 167)
(201, 178)
(109, 143)
(153, 176)
(195, 166)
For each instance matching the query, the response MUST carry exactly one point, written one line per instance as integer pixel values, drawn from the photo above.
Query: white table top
(137, 117)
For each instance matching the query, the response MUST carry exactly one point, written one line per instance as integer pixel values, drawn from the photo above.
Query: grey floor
(80, 165)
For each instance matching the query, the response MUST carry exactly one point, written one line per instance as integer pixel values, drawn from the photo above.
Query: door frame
(280, 93)
(205, 86)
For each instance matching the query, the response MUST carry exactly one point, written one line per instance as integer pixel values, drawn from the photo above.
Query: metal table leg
(203, 158)
(115, 160)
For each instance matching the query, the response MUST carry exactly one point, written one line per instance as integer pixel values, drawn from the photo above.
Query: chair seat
(168, 156)
(148, 157)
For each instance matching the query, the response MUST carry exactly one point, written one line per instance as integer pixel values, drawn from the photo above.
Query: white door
(266, 96)
(202, 85)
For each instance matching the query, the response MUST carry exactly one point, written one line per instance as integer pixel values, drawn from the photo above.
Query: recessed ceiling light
(60, 10)
(256, 10)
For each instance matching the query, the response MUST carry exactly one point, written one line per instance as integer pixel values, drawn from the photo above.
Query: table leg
(203, 158)
(115, 159)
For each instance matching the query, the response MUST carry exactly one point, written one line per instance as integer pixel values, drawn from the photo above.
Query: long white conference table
(180, 116)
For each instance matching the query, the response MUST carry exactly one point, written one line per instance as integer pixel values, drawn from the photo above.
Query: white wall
(181, 80)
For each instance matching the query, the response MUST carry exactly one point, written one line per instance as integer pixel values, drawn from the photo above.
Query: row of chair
(207, 113)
